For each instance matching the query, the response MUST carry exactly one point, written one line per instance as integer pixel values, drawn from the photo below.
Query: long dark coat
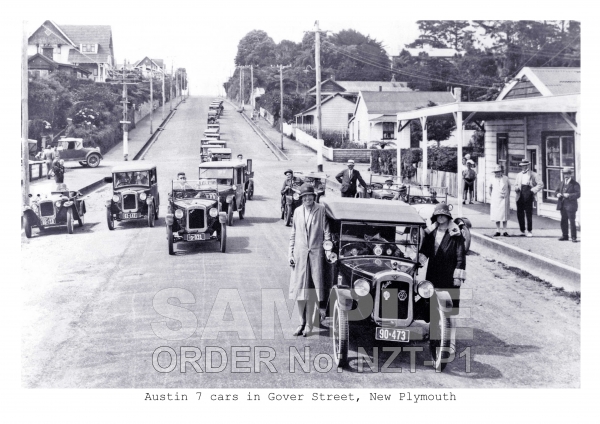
(449, 261)
(348, 179)
(306, 248)
(574, 190)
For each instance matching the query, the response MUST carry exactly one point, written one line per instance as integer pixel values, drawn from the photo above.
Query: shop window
(559, 152)
(502, 151)
(388, 130)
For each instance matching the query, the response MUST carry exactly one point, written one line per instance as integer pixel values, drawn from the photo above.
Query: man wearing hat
(309, 230)
(348, 179)
(527, 184)
(568, 192)
(287, 185)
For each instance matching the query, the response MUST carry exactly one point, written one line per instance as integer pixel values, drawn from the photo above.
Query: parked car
(249, 185)
(59, 208)
(206, 149)
(292, 197)
(371, 277)
(72, 150)
(217, 154)
(212, 116)
(205, 140)
(215, 126)
(231, 178)
(135, 193)
(195, 214)
(212, 133)
(388, 187)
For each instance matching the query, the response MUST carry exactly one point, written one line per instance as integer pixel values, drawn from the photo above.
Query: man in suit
(568, 191)
(309, 230)
(527, 185)
(348, 179)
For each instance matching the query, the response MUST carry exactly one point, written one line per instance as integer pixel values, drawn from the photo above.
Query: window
(238, 173)
(350, 115)
(48, 52)
(88, 48)
(559, 152)
(502, 151)
(308, 119)
(388, 130)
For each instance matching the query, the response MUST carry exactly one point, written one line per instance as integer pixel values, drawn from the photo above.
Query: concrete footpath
(543, 255)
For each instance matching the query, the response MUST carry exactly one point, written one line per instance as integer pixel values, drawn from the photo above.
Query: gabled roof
(389, 103)
(323, 102)
(159, 62)
(55, 65)
(356, 86)
(149, 61)
(547, 81)
(50, 29)
(90, 34)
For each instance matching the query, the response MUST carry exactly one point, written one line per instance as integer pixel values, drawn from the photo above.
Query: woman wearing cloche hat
(499, 189)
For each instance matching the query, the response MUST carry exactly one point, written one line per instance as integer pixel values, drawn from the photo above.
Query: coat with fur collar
(449, 261)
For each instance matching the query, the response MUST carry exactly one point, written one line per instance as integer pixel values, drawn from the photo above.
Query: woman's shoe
(307, 332)
(497, 234)
(506, 234)
(299, 330)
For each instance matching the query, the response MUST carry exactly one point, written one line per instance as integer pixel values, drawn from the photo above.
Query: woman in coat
(309, 230)
(500, 200)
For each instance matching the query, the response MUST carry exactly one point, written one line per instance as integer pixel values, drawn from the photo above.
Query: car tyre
(84, 164)
(109, 219)
(93, 160)
(223, 239)
(170, 239)
(340, 335)
(27, 226)
(242, 211)
(250, 192)
(230, 215)
(467, 236)
(439, 339)
(151, 215)
(80, 220)
(70, 221)
(156, 210)
(288, 215)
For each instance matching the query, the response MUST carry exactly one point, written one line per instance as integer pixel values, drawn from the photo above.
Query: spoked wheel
(110, 220)
(242, 211)
(93, 161)
(340, 335)
(439, 339)
(80, 220)
(151, 215)
(250, 192)
(230, 215)
(156, 209)
(223, 238)
(467, 235)
(170, 239)
(288, 215)
(70, 221)
(27, 226)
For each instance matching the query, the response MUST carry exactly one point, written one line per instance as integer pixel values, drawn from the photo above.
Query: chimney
(380, 88)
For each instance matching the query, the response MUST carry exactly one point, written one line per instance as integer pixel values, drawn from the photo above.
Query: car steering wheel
(355, 249)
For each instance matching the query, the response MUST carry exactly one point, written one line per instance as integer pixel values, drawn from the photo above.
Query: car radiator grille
(129, 202)
(46, 209)
(196, 219)
(393, 307)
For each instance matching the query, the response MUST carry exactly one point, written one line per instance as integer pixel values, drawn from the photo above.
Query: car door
(154, 186)
(239, 186)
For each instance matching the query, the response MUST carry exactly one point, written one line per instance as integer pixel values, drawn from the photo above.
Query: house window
(559, 152)
(388, 130)
(350, 115)
(308, 119)
(502, 151)
(95, 71)
(88, 48)
(48, 52)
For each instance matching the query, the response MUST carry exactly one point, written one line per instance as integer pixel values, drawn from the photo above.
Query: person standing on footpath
(500, 200)
(348, 180)
(568, 192)
(527, 185)
(469, 176)
(49, 157)
(309, 230)
(59, 170)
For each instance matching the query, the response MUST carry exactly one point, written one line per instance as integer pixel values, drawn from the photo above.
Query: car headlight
(233, 187)
(58, 203)
(296, 196)
(115, 198)
(213, 212)
(178, 214)
(389, 252)
(362, 287)
(378, 250)
(327, 245)
(143, 196)
(425, 289)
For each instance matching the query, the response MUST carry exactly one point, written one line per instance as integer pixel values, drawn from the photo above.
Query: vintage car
(214, 127)
(231, 178)
(216, 107)
(195, 214)
(60, 208)
(388, 187)
(205, 140)
(72, 150)
(212, 116)
(135, 193)
(291, 199)
(249, 186)
(219, 154)
(206, 149)
(212, 133)
(371, 278)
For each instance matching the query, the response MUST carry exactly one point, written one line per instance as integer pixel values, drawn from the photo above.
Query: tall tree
(256, 48)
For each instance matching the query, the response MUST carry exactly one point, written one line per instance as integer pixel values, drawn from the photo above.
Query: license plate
(194, 237)
(48, 221)
(130, 215)
(392, 334)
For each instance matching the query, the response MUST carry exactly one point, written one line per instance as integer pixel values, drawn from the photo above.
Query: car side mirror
(30, 195)
(108, 179)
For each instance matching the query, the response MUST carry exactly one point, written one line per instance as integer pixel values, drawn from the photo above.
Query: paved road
(90, 300)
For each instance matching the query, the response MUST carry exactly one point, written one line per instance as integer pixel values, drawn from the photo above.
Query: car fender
(444, 301)
(68, 204)
(94, 152)
(169, 219)
(343, 297)
(109, 203)
(31, 215)
(222, 217)
(463, 221)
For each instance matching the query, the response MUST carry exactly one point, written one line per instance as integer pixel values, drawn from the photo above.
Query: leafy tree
(256, 48)
(437, 130)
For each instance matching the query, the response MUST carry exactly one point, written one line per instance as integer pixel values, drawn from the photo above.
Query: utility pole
(171, 89)
(318, 82)
(125, 121)
(25, 118)
(252, 88)
(162, 109)
(240, 93)
(151, 97)
(243, 86)
(281, 67)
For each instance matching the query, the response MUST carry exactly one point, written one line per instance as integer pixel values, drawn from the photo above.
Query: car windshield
(139, 178)
(365, 239)
(428, 194)
(223, 176)
(195, 189)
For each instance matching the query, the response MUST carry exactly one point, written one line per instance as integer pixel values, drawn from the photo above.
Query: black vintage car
(292, 197)
(195, 214)
(135, 193)
(60, 208)
(371, 277)
(231, 178)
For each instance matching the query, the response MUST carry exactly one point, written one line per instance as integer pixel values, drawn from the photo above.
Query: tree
(256, 48)
(437, 130)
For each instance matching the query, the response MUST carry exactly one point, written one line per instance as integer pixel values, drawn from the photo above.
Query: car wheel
(93, 160)
(340, 335)
(288, 215)
(157, 208)
(80, 220)
(223, 238)
(439, 338)
(230, 215)
(250, 192)
(242, 211)
(27, 226)
(151, 214)
(110, 220)
(70, 221)
(467, 235)
(170, 239)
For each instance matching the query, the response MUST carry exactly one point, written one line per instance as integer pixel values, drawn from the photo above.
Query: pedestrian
(49, 157)
(348, 180)
(309, 230)
(500, 200)
(59, 170)
(287, 185)
(469, 176)
(527, 185)
(444, 246)
(568, 192)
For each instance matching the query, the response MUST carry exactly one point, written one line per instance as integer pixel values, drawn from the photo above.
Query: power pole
(25, 118)
(125, 121)
(243, 86)
(162, 109)
(318, 82)
(171, 89)
(151, 97)
(281, 67)
(252, 88)
(240, 93)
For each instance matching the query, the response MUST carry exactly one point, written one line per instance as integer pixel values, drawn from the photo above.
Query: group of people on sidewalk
(55, 166)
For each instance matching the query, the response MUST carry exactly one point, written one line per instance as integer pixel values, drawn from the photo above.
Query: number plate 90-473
(392, 334)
